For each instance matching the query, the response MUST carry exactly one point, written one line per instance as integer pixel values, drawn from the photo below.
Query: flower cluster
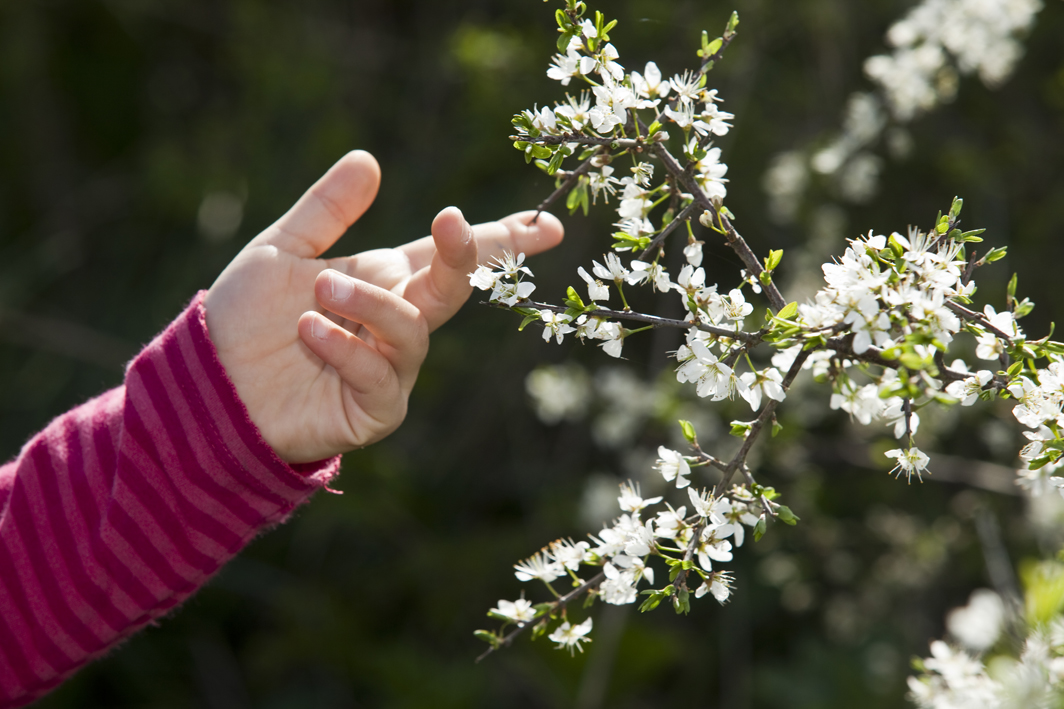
(878, 331)
(980, 35)
(934, 44)
(952, 677)
(620, 554)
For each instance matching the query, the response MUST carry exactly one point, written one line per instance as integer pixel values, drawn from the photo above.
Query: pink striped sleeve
(121, 508)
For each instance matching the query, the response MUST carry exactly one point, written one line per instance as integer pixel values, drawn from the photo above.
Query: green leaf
(759, 529)
(769, 493)
(773, 260)
(705, 45)
(653, 128)
(688, 431)
(1012, 285)
(488, 637)
(683, 602)
(527, 321)
(1015, 369)
(572, 201)
(739, 429)
(895, 246)
(654, 598)
(556, 161)
(786, 516)
(1040, 462)
(955, 208)
(715, 46)
(788, 311)
(911, 360)
(776, 427)
(995, 254)
(733, 23)
(573, 299)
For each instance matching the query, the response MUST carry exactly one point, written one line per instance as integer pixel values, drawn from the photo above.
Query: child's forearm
(121, 508)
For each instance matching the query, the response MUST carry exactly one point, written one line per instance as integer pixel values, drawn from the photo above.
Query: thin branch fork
(566, 186)
(978, 318)
(634, 144)
(735, 240)
(592, 583)
(717, 55)
(680, 218)
(768, 411)
(748, 338)
(873, 355)
(681, 577)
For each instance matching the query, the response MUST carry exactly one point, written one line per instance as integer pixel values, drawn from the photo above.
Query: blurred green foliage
(142, 143)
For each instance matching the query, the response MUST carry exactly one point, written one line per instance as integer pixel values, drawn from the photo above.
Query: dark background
(125, 124)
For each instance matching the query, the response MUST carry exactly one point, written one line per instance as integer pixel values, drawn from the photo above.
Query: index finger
(328, 208)
(515, 233)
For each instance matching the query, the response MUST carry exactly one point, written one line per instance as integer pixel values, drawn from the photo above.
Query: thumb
(439, 289)
(328, 208)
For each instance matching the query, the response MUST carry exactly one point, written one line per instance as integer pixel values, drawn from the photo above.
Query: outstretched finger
(517, 233)
(439, 289)
(328, 208)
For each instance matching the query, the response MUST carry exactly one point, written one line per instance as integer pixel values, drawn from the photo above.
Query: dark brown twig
(564, 188)
(659, 240)
(768, 411)
(735, 240)
(562, 602)
(752, 338)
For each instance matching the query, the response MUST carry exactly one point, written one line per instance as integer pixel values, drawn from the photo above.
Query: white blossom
(630, 499)
(768, 381)
(538, 566)
(596, 291)
(570, 636)
(519, 611)
(556, 325)
(911, 461)
(567, 65)
(570, 554)
(649, 84)
(673, 466)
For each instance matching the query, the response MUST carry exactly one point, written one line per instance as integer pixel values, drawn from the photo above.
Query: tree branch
(564, 188)
(659, 240)
(562, 602)
(735, 240)
(978, 318)
(749, 338)
(767, 412)
(636, 145)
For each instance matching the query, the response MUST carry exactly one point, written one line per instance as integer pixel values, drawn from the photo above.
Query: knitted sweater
(121, 508)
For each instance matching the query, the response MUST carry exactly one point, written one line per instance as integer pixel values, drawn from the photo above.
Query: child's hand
(320, 384)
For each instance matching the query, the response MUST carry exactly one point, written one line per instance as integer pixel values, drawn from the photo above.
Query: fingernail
(317, 327)
(340, 286)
